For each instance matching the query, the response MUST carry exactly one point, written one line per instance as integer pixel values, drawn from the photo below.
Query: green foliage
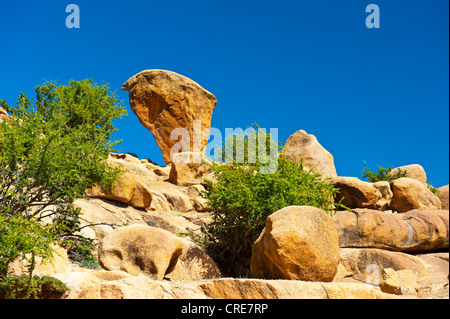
(433, 189)
(27, 239)
(51, 150)
(242, 198)
(382, 174)
(20, 237)
(24, 287)
(244, 148)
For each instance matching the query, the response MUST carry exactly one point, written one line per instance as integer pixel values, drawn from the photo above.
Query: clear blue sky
(374, 95)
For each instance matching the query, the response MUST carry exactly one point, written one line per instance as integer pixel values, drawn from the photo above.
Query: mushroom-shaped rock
(164, 101)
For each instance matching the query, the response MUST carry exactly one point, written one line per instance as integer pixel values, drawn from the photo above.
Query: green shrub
(433, 189)
(24, 287)
(242, 198)
(382, 174)
(20, 237)
(52, 149)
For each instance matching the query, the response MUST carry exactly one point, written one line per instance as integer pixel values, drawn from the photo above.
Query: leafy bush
(51, 150)
(433, 189)
(382, 174)
(25, 287)
(20, 237)
(242, 198)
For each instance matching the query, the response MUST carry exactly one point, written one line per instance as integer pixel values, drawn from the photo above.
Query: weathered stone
(366, 265)
(164, 101)
(172, 221)
(194, 264)
(401, 282)
(414, 231)
(230, 288)
(167, 197)
(135, 287)
(130, 164)
(130, 187)
(431, 229)
(140, 249)
(356, 193)
(298, 242)
(109, 275)
(122, 189)
(58, 263)
(414, 171)
(443, 196)
(142, 196)
(305, 148)
(438, 266)
(409, 194)
(198, 198)
(190, 169)
(97, 210)
(81, 284)
(386, 195)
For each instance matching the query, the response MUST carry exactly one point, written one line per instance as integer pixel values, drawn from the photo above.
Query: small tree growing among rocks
(53, 148)
(242, 199)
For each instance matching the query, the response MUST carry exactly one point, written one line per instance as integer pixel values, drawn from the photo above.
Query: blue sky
(374, 95)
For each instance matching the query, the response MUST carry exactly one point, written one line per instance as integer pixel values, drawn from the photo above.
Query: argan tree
(52, 149)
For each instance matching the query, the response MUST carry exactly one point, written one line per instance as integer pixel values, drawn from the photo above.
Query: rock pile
(392, 243)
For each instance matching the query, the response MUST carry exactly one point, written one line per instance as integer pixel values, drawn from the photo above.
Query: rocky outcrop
(298, 242)
(88, 284)
(367, 265)
(104, 214)
(401, 282)
(59, 262)
(139, 249)
(186, 172)
(164, 100)
(101, 284)
(375, 247)
(443, 196)
(146, 185)
(194, 264)
(305, 148)
(82, 284)
(126, 189)
(386, 196)
(409, 194)
(414, 171)
(230, 288)
(415, 231)
(438, 267)
(355, 193)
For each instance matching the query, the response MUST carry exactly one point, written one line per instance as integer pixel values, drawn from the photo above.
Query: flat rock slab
(417, 231)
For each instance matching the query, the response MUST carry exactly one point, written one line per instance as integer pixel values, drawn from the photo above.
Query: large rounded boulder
(140, 249)
(299, 243)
